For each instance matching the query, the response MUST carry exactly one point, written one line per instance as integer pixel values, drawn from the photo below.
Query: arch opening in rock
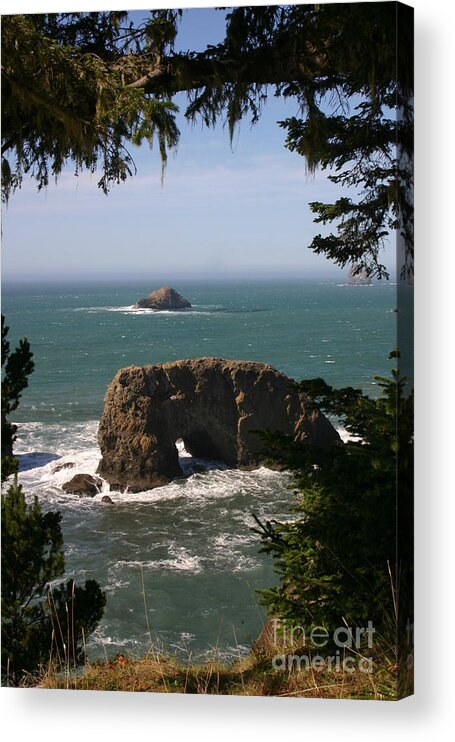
(195, 463)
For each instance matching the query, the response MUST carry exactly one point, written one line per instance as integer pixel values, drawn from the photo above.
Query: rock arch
(212, 404)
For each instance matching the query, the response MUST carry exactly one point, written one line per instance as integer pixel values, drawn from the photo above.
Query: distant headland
(162, 299)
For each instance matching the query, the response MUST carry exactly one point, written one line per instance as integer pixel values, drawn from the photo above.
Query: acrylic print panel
(213, 405)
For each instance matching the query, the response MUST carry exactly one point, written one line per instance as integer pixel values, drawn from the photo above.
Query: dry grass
(253, 675)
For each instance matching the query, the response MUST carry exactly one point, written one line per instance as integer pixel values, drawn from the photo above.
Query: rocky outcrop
(164, 298)
(213, 405)
(358, 276)
(68, 465)
(84, 485)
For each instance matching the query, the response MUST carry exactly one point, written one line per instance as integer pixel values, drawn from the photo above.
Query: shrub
(41, 620)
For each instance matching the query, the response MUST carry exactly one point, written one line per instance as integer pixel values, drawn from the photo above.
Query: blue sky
(223, 211)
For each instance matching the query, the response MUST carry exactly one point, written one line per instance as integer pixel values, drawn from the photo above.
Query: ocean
(180, 564)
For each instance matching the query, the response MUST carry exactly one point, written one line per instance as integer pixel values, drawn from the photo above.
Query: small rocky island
(163, 299)
(358, 276)
(213, 405)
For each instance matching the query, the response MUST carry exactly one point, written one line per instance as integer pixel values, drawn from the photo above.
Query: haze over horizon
(224, 211)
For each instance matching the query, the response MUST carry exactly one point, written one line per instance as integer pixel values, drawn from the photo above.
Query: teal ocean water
(180, 560)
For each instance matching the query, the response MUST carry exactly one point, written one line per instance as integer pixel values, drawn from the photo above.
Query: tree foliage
(346, 558)
(16, 367)
(41, 621)
(65, 97)
(81, 87)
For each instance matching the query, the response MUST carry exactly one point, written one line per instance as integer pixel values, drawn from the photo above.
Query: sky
(224, 210)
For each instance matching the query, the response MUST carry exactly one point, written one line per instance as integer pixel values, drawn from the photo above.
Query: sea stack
(214, 405)
(358, 276)
(164, 298)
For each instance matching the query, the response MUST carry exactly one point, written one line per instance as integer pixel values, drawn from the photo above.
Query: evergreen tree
(347, 555)
(40, 621)
(16, 367)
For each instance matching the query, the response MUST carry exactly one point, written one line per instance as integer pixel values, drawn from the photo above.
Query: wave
(132, 309)
(178, 561)
(35, 460)
(51, 454)
(197, 309)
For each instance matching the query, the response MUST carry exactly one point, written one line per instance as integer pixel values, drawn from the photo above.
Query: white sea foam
(100, 638)
(178, 561)
(132, 309)
(186, 636)
(114, 585)
(228, 540)
(50, 455)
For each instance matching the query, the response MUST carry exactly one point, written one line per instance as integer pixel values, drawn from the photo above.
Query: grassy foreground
(253, 675)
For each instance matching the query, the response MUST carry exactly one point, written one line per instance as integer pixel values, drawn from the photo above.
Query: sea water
(180, 564)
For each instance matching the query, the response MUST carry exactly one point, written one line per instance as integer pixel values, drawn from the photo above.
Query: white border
(90, 715)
